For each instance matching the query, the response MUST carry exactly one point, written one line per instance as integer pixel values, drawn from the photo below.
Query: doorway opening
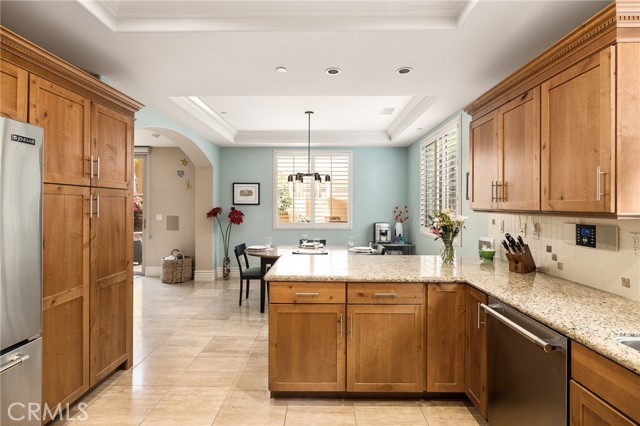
(140, 199)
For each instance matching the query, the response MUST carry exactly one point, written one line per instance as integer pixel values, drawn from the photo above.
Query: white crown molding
(318, 138)
(176, 16)
(203, 112)
(408, 116)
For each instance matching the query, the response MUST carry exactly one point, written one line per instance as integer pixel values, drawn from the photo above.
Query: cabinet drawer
(304, 292)
(587, 409)
(610, 381)
(385, 294)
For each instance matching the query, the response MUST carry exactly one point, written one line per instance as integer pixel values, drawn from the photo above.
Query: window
(328, 210)
(440, 172)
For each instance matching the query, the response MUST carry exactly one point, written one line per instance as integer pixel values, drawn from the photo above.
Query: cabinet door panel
(306, 347)
(445, 337)
(385, 348)
(586, 409)
(578, 137)
(65, 325)
(476, 361)
(519, 150)
(484, 156)
(14, 89)
(66, 118)
(112, 135)
(111, 281)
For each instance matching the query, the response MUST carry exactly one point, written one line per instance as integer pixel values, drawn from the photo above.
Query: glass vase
(226, 268)
(447, 252)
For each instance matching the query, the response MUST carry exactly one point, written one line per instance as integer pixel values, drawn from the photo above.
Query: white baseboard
(204, 275)
(235, 272)
(153, 271)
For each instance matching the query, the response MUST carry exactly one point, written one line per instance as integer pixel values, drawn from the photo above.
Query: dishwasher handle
(542, 344)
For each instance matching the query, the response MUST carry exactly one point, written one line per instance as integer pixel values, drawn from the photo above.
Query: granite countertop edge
(586, 315)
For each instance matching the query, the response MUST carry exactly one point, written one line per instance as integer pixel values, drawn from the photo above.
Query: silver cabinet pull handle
(310, 293)
(351, 325)
(341, 326)
(542, 344)
(98, 174)
(385, 294)
(90, 159)
(479, 315)
(18, 360)
(493, 190)
(98, 206)
(90, 206)
(599, 192)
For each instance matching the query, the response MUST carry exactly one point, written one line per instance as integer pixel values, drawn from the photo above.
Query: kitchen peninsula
(416, 312)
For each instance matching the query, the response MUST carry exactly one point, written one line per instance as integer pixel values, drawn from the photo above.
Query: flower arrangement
(137, 210)
(400, 215)
(446, 225)
(235, 218)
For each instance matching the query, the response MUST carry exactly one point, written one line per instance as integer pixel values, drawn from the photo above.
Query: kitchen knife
(506, 246)
(512, 243)
(521, 241)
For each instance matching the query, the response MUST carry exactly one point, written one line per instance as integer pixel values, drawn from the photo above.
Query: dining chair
(246, 273)
(380, 249)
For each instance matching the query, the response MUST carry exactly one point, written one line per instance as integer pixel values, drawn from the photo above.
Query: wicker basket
(177, 270)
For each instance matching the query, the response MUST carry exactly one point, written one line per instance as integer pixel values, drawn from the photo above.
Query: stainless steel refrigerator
(20, 272)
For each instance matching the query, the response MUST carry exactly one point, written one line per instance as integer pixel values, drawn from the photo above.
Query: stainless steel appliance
(20, 272)
(527, 380)
(381, 232)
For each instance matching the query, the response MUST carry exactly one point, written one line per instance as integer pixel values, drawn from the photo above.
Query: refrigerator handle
(17, 361)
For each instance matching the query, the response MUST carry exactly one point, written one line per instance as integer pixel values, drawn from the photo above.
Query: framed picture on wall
(246, 193)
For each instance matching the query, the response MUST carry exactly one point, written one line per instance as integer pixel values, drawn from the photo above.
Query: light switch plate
(159, 216)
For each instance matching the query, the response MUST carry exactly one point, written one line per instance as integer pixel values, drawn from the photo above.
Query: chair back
(240, 251)
(310, 240)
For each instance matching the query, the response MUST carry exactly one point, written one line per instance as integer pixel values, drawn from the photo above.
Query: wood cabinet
(578, 141)
(476, 350)
(14, 89)
(586, 409)
(446, 337)
(111, 277)
(385, 348)
(505, 156)
(306, 338)
(65, 328)
(87, 229)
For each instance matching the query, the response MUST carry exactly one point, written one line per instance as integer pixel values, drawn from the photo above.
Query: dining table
(269, 256)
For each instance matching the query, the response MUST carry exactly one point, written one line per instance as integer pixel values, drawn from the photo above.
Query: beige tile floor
(199, 359)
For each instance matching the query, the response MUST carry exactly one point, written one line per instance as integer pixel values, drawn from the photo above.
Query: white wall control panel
(603, 237)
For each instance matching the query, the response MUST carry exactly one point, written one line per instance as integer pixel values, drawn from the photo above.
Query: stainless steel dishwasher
(527, 380)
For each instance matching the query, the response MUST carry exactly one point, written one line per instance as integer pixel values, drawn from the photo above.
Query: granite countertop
(584, 314)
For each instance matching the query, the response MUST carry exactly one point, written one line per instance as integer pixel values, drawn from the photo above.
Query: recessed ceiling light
(404, 70)
(333, 71)
(281, 70)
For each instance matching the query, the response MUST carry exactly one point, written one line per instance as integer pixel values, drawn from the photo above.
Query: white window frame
(433, 137)
(311, 225)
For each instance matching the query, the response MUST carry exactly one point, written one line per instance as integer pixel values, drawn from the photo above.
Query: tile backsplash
(613, 271)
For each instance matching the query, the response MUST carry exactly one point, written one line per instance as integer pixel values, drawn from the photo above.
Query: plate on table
(306, 245)
(257, 248)
(361, 249)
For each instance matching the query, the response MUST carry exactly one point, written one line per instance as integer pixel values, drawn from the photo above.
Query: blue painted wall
(379, 184)
(476, 224)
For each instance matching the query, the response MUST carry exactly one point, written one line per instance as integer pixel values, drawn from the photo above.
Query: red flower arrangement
(235, 218)
(400, 215)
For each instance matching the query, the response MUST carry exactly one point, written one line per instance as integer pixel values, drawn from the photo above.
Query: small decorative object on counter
(446, 225)
(400, 216)
(235, 218)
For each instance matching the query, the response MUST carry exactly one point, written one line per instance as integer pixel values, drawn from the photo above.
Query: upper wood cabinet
(66, 119)
(578, 151)
(505, 156)
(446, 337)
(578, 142)
(112, 148)
(14, 89)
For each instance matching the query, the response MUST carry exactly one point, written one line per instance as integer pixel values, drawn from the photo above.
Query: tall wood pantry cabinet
(87, 218)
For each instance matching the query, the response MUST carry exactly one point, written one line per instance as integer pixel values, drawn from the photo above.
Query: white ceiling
(210, 64)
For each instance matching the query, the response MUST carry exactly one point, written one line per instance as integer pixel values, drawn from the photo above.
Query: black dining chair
(246, 273)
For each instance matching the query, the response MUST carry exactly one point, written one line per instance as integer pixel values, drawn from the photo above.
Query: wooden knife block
(521, 263)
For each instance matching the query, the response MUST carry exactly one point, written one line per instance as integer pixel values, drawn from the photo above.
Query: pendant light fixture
(297, 179)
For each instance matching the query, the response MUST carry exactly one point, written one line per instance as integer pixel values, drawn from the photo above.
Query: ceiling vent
(333, 71)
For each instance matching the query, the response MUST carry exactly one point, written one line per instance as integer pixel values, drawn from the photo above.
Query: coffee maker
(381, 232)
